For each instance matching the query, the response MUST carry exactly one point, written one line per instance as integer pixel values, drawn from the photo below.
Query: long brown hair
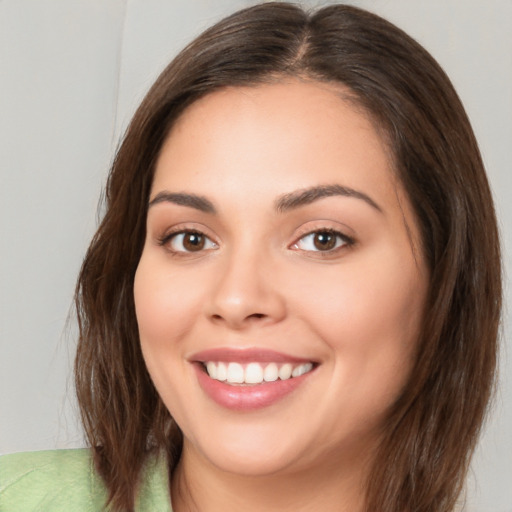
(431, 432)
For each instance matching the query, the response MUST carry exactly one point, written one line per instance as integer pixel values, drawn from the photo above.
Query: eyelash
(168, 238)
(342, 241)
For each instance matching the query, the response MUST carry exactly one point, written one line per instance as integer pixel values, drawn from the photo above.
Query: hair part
(431, 431)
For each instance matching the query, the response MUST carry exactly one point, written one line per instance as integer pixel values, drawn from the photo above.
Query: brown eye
(189, 241)
(324, 240)
(193, 241)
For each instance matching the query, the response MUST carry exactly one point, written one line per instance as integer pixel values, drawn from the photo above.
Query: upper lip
(245, 355)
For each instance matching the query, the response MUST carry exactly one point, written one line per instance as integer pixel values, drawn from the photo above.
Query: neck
(197, 485)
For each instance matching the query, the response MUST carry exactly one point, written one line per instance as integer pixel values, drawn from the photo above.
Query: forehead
(305, 131)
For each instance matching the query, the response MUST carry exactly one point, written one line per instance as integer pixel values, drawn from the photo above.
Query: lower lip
(251, 397)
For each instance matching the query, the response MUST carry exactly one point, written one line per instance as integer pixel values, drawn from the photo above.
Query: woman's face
(278, 241)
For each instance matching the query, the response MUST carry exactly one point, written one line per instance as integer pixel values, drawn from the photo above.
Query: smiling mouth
(254, 373)
(244, 380)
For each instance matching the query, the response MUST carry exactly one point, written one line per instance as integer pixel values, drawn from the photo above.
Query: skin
(260, 281)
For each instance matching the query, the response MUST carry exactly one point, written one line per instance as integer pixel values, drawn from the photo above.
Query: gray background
(71, 74)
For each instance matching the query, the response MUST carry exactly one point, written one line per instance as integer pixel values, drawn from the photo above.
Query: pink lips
(246, 397)
(244, 355)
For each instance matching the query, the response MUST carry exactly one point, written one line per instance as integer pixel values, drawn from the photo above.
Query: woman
(293, 298)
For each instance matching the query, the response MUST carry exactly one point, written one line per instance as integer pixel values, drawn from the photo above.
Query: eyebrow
(191, 200)
(283, 204)
(309, 195)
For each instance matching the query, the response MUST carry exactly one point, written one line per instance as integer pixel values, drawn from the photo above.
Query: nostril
(238, 321)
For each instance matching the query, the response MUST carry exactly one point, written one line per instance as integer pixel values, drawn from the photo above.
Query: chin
(252, 461)
(250, 450)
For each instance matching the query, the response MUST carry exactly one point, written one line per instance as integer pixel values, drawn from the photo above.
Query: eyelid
(165, 239)
(348, 241)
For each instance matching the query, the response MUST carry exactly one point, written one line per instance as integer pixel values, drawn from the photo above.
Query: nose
(246, 292)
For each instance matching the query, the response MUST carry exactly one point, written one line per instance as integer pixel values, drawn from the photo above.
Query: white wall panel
(155, 31)
(59, 64)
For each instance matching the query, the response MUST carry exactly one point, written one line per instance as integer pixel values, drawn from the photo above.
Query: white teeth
(302, 369)
(285, 372)
(271, 373)
(235, 373)
(211, 368)
(222, 372)
(254, 373)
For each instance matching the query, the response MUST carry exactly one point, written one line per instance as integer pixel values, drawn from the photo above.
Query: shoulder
(51, 481)
(62, 480)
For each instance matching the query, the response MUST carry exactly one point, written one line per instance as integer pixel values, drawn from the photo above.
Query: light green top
(65, 480)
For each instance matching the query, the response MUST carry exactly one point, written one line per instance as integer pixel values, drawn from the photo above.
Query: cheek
(368, 306)
(163, 315)
(164, 318)
(369, 315)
